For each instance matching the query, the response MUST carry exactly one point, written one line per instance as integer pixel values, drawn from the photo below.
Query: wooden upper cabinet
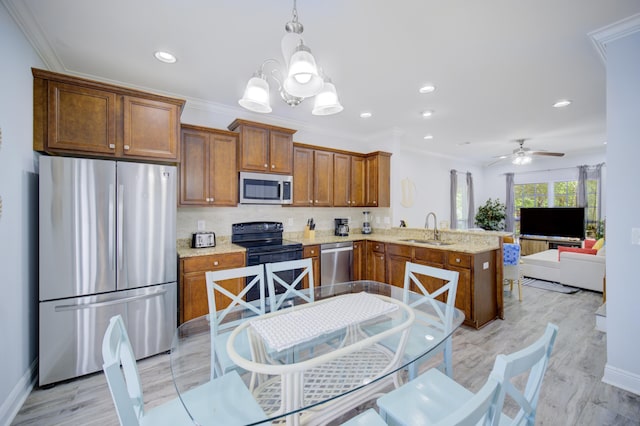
(263, 148)
(358, 180)
(207, 172)
(81, 119)
(378, 175)
(151, 128)
(302, 177)
(322, 178)
(84, 117)
(341, 180)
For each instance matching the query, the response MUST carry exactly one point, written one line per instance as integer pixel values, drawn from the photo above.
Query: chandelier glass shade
(521, 159)
(301, 78)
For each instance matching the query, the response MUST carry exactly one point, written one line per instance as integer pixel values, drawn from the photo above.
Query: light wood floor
(572, 392)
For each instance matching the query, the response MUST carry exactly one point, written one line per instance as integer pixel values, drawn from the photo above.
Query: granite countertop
(463, 242)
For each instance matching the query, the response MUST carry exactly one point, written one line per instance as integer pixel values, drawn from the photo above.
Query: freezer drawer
(71, 330)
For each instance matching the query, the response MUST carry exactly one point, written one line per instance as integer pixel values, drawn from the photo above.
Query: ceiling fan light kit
(522, 156)
(303, 79)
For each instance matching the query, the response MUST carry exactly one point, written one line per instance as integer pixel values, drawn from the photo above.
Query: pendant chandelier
(301, 78)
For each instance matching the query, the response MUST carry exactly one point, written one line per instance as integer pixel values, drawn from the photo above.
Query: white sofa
(573, 269)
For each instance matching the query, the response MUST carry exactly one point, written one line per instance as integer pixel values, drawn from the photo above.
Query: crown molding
(605, 35)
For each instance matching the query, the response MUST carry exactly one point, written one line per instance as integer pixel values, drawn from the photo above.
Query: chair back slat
(303, 268)
(479, 410)
(533, 359)
(121, 372)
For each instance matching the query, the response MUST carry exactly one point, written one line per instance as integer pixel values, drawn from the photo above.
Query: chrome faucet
(436, 233)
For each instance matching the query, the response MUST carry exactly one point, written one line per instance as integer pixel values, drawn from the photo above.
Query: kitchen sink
(430, 242)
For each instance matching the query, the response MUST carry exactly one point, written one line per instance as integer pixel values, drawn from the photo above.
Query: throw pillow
(588, 243)
(598, 245)
(576, 250)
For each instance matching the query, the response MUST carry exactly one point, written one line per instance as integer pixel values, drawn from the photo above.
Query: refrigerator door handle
(120, 224)
(79, 306)
(111, 227)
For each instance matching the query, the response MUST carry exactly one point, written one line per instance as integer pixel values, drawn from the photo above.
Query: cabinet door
(280, 152)
(223, 177)
(81, 119)
(397, 257)
(371, 198)
(358, 180)
(302, 177)
(194, 294)
(376, 270)
(254, 149)
(463, 293)
(194, 173)
(312, 252)
(322, 178)
(150, 129)
(359, 261)
(341, 180)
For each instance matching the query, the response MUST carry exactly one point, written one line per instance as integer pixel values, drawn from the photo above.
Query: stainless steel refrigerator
(107, 247)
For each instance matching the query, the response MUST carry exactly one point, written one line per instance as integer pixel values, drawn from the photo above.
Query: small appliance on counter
(341, 227)
(366, 224)
(203, 239)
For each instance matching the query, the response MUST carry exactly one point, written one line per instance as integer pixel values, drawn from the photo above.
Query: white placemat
(298, 326)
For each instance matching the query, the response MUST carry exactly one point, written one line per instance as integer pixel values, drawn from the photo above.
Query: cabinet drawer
(213, 262)
(377, 247)
(460, 260)
(428, 255)
(310, 251)
(399, 250)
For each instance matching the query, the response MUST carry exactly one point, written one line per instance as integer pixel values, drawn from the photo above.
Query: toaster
(203, 239)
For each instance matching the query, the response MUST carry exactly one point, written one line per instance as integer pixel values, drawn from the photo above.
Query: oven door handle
(287, 250)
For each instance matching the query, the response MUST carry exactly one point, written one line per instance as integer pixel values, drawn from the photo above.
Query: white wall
(542, 169)
(623, 206)
(18, 220)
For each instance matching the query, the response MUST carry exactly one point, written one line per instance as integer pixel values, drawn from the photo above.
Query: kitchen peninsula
(476, 256)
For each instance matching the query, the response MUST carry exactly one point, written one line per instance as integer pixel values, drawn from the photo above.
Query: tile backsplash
(220, 219)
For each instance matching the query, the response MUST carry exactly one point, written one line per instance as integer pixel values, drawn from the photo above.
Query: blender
(366, 224)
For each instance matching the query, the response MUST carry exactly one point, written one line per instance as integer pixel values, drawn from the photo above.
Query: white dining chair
(434, 284)
(511, 269)
(222, 322)
(431, 397)
(292, 283)
(225, 400)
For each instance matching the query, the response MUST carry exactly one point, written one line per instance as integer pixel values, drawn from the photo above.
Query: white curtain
(586, 173)
(471, 209)
(453, 192)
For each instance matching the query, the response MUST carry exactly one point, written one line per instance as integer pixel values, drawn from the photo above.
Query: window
(529, 195)
(462, 204)
(564, 194)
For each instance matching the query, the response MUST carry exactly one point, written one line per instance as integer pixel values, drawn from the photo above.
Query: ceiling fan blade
(547, 153)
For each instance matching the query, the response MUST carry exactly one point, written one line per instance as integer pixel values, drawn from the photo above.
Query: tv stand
(531, 244)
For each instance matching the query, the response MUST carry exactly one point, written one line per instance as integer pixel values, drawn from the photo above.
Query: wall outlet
(201, 225)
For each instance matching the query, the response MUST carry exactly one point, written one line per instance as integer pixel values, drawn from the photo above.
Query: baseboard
(19, 394)
(622, 379)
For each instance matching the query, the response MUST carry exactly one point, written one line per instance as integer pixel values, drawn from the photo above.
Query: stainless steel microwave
(264, 188)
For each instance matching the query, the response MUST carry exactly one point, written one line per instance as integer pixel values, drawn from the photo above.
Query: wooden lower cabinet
(476, 295)
(359, 261)
(397, 257)
(376, 267)
(312, 252)
(193, 300)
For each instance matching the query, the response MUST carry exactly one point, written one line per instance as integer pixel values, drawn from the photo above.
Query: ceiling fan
(522, 155)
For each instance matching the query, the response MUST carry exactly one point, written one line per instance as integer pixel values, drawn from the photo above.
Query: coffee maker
(342, 227)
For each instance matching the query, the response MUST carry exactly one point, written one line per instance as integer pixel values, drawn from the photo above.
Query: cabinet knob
(273, 166)
(348, 202)
(112, 146)
(266, 165)
(215, 263)
(126, 147)
(211, 199)
(313, 252)
(316, 201)
(457, 260)
(310, 201)
(375, 202)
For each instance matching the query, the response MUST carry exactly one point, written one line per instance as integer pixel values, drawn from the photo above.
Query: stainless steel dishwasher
(336, 263)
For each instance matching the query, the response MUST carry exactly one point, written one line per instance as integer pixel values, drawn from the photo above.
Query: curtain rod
(555, 170)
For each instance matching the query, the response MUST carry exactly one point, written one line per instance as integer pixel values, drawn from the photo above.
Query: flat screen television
(565, 222)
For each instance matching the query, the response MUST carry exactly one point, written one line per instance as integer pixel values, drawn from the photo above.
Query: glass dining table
(310, 363)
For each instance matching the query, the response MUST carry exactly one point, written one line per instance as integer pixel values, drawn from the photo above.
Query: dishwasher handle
(335, 250)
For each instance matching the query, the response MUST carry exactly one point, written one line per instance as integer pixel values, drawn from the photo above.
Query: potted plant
(491, 215)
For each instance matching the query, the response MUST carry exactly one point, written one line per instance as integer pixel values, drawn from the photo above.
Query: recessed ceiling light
(428, 137)
(165, 57)
(428, 88)
(365, 115)
(562, 103)
(427, 114)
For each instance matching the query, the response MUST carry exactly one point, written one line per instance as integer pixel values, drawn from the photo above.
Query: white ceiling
(498, 65)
